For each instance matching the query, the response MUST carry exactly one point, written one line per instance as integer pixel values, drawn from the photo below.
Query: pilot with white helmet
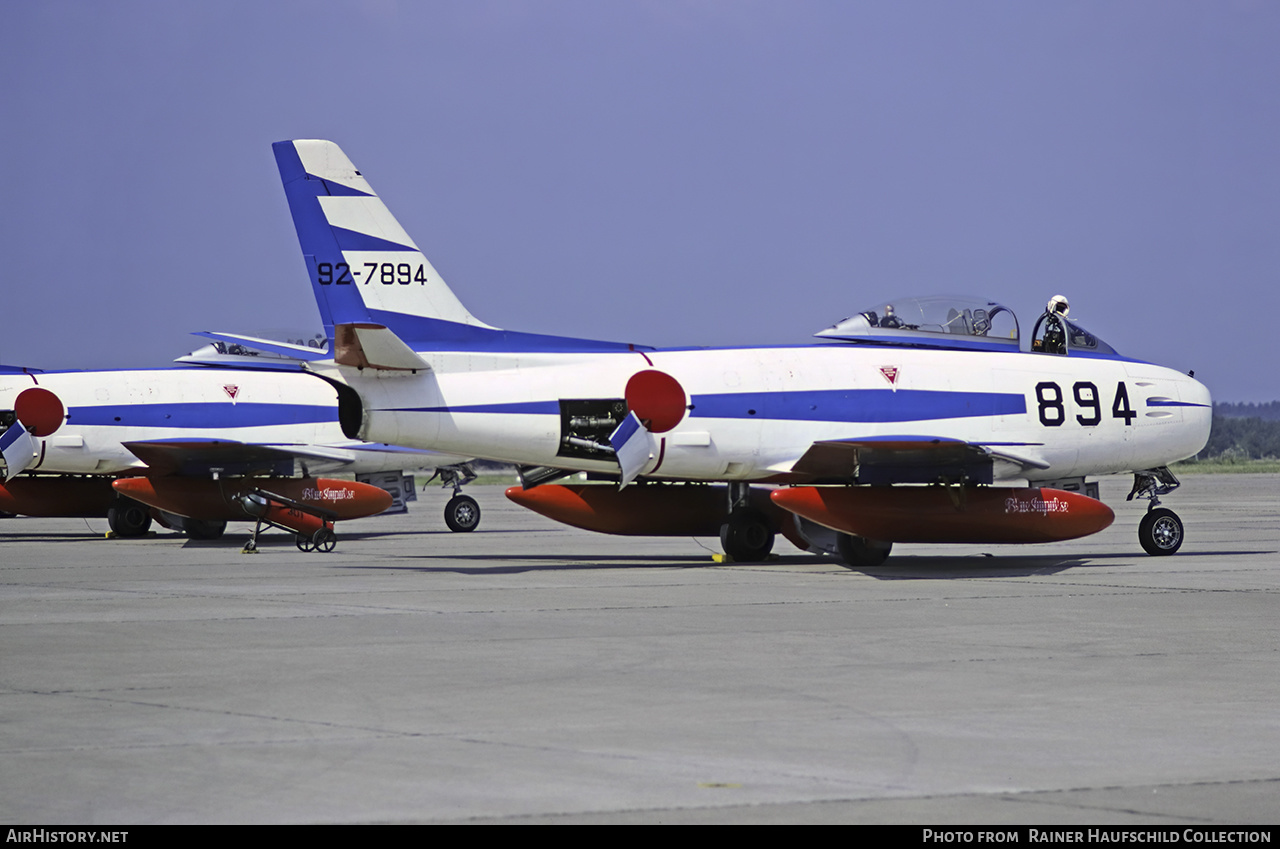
(1054, 319)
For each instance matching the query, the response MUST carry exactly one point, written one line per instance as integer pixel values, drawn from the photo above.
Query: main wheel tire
(128, 518)
(747, 537)
(859, 552)
(1160, 532)
(462, 514)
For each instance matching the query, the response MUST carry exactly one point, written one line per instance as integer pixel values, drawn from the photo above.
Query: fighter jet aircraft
(194, 446)
(917, 420)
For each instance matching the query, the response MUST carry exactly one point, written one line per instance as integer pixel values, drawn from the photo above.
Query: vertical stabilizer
(364, 268)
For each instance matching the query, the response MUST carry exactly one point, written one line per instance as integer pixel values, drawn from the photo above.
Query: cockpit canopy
(961, 321)
(939, 321)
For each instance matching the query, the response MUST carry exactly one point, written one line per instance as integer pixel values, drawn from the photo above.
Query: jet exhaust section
(949, 514)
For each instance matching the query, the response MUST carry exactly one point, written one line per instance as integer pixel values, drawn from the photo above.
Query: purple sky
(671, 173)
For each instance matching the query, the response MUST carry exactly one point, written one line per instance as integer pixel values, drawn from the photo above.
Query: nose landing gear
(1160, 532)
(462, 513)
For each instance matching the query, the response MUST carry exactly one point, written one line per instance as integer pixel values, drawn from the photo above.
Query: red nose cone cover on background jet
(657, 399)
(39, 410)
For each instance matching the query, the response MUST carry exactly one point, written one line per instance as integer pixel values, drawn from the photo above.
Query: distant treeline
(1246, 439)
(1268, 412)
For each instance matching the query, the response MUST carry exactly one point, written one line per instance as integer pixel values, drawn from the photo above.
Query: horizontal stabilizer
(374, 346)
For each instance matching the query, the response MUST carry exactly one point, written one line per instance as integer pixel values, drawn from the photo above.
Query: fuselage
(751, 412)
(106, 409)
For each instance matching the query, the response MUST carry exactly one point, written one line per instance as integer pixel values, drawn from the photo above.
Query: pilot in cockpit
(1054, 340)
(890, 318)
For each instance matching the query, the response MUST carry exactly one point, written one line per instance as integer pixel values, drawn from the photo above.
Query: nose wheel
(462, 514)
(1160, 532)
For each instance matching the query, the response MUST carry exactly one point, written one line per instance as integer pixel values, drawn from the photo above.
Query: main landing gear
(1160, 531)
(859, 551)
(746, 535)
(128, 518)
(462, 513)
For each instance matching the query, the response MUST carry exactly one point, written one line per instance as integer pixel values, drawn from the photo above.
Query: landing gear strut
(1160, 531)
(746, 536)
(462, 513)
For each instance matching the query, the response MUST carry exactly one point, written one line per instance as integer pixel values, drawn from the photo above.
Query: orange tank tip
(132, 486)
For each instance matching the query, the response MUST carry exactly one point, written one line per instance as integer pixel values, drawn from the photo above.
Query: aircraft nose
(1194, 392)
(1197, 411)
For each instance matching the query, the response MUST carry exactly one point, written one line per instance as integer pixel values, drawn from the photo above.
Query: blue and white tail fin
(364, 268)
(379, 297)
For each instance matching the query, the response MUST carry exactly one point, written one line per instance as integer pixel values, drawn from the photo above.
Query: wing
(199, 457)
(906, 459)
(202, 457)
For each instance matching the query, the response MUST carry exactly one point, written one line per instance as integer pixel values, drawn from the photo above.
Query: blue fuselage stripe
(832, 405)
(201, 415)
(857, 405)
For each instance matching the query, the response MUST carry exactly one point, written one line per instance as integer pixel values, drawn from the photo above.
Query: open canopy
(945, 321)
(961, 321)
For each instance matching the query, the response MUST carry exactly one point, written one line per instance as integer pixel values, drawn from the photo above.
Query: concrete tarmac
(533, 673)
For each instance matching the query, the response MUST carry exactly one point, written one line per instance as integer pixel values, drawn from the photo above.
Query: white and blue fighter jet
(189, 443)
(918, 420)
